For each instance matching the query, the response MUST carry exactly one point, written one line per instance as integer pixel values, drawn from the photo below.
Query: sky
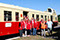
(40, 5)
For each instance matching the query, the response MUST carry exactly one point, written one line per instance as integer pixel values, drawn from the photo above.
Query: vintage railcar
(11, 15)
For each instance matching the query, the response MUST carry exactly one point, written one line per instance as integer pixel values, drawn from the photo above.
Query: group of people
(46, 25)
(29, 27)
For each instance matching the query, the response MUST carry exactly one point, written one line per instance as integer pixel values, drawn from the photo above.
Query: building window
(41, 16)
(33, 15)
(37, 17)
(17, 16)
(7, 16)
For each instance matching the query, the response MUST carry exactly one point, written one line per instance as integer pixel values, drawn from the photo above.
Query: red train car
(11, 15)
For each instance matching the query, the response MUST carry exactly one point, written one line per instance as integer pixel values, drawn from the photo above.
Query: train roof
(21, 8)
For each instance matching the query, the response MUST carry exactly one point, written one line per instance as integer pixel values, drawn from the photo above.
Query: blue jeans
(34, 31)
(43, 32)
(30, 32)
(49, 31)
(20, 32)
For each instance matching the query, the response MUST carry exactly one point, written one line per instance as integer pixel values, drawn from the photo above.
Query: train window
(17, 16)
(51, 18)
(37, 17)
(25, 13)
(41, 16)
(49, 10)
(48, 17)
(7, 16)
(53, 11)
(33, 15)
(55, 18)
(45, 18)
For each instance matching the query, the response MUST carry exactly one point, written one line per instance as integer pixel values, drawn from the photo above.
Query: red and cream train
(11, 15)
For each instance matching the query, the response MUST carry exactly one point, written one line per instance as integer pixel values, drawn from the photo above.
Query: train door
(7, 24)
(25, 13)
(51, 18)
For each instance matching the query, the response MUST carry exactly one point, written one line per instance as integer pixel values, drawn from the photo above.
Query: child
(29, 28)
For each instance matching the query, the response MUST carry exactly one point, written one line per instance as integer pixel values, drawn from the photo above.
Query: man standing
(32, 23)
(40, 24)
(49, 23)
(43, 28)
(20, 28)
(35, 27)
(25, 27)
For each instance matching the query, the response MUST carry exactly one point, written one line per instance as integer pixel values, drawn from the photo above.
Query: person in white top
(49, 23)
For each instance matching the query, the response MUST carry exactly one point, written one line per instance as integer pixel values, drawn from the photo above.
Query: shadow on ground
(57, 34)
(8, 36)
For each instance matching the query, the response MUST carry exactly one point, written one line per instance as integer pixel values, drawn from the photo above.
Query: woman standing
(29, 28)
(43, 26)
